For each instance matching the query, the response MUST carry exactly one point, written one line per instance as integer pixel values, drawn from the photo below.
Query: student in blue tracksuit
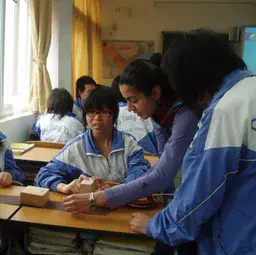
(9, 172)
(215, 204)
(101, 151)
(59, 124)
(129, 122)
(84, 86)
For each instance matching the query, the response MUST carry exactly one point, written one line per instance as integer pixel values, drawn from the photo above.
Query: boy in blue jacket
(84, 86)
(101, 151)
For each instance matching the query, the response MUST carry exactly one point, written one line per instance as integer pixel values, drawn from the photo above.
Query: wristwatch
(92, 201)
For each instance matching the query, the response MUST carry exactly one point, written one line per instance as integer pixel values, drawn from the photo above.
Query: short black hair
(156, 58)
(82, 81)
(143, 75)
(199, 61)
(59, 102)
(101, 97)
(115, 87)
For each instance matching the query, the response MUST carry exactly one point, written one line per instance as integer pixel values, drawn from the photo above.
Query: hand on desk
(100, 183)
(79, 203)
(71, 188)
(139, 222)
(5, 179)
(74, 186)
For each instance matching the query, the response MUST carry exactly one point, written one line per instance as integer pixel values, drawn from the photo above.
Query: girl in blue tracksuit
(129, 122)
(59, 124)
(101, 151)
(215, 203)
(9, 172)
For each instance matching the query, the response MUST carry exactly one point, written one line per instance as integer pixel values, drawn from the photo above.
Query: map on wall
(118, 54)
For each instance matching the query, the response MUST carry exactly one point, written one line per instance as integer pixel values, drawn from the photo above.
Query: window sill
(15, 116)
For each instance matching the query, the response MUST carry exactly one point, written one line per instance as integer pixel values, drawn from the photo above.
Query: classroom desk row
(38, 157)
(116, 221)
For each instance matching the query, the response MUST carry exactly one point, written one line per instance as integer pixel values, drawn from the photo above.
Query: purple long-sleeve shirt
(173, 143)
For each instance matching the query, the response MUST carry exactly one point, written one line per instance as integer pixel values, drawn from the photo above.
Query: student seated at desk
(9, 171)
(84, 86)
(59, 124)
(101, 151)
(128, 121)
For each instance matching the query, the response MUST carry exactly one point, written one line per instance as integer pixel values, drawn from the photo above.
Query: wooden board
(116, 221)
(38, 154)
(7, 210)
(11, 190)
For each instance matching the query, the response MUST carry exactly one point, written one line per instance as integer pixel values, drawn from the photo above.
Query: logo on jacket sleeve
(253, 124)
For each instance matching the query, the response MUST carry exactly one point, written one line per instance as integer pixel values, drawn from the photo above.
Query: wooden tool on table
(87, 186)
(34, 196)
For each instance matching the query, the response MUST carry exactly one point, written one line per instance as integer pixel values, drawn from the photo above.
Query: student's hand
(71, 188)
(139, 222)
(5, 179)
(100, 183)
(77, 203)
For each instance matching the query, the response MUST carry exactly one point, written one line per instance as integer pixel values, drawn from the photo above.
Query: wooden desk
(38, 154)
(11, 190)
(44, 155)
(38, 157)
(152, 159)
(33, 160)
(116, 221)
(6, 210)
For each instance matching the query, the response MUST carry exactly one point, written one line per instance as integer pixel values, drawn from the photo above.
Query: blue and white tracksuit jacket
(52, 129)
(142, 130)
(215, 203)
(78, 109)
(7, 162)
(125, 161)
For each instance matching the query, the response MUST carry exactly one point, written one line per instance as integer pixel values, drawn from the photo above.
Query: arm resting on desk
(56, 172)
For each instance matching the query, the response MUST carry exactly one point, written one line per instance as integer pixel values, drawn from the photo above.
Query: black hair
(60, 102)
(143, 75)
(115, 87)
(101, 97)
(81, 82)
(156, 58)
(199, 62)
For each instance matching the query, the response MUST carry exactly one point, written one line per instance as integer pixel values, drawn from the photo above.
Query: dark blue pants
(189, 248)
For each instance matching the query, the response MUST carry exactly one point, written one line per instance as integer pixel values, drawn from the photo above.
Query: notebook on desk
(20, 148)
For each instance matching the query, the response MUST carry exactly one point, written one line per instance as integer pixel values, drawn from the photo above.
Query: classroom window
(15, 55)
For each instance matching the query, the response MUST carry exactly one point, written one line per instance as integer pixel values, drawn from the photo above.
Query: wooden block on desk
(34, 196)
(87, 186)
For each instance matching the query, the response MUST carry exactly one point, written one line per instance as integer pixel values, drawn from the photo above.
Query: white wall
(17, 129)
(143, 21)
(147, 21)
(59, 58)
(53, 56)
(139, 20)
(65, 39)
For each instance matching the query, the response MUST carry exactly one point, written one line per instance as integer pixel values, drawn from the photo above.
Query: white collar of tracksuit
(229, 81)
(78, 103)
(91, 149)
